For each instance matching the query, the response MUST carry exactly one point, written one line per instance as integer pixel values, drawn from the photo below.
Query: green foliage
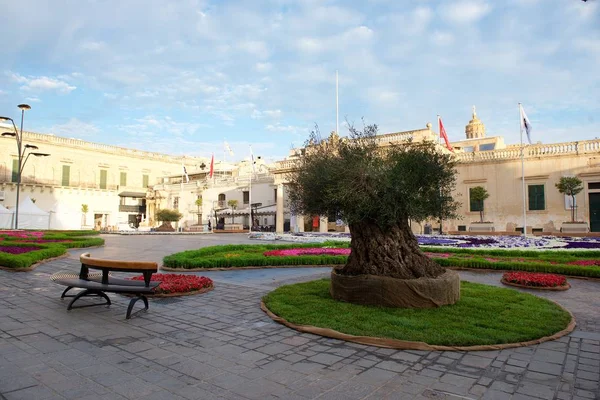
(483, 315)
(232, 204)
(478, 194)
(358, 180)
(25, 260)
(243, 255)
(570, 186)
(84, 208)
(168, 215)
(198, 202)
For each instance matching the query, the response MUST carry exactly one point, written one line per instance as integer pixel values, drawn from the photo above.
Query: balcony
(132, 209)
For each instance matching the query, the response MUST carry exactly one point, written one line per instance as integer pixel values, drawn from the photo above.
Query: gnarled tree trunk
(393, 252)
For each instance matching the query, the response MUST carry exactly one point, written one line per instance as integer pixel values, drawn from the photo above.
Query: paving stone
(503, 387)
(546, 368)
(536, 390)
(476, 361)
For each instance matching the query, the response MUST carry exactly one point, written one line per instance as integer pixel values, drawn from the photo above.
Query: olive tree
(376, 189)
(478, 194)
(233, 205)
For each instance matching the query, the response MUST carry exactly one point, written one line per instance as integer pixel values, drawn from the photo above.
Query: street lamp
(21, 149)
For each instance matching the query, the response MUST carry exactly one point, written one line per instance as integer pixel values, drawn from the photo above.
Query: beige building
(112, 181)
(124, 187)
(490, 163)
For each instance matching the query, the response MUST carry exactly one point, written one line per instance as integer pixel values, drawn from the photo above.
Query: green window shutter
(66, 175)
(474, 205)
(103, 178)
(537, 200)
(123, 179)
(15, 171)
(145, 180)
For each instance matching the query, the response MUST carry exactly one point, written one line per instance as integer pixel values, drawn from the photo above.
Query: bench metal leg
(133, 301)
(64, 294)
(88, 293)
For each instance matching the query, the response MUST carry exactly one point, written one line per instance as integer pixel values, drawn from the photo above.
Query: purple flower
(17, 250)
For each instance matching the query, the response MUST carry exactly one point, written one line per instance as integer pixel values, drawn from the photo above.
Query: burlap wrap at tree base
(392, 292)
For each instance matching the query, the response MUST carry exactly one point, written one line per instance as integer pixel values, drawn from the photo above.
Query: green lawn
(484, 315)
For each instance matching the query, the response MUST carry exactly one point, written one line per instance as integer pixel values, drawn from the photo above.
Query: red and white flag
(443, 134)
(212, 166)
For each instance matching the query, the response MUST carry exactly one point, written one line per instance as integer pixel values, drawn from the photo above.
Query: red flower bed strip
(178, 283)
(535, 279)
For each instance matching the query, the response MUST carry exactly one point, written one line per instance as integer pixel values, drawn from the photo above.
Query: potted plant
(167, 216)
(478, 195)
(198, 203)
(84, 211)
(571, 186)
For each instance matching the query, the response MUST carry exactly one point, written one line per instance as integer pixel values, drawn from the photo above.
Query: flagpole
(250, 188)
(337, 108)
(180, 191)
(440, 131)
(523, 171)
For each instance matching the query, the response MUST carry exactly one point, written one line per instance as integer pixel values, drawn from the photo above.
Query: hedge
(226, 256)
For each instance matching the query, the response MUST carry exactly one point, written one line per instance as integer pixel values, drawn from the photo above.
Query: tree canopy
(168, 215)
(360, 179)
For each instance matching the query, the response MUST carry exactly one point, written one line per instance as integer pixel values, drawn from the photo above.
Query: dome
(475, 128)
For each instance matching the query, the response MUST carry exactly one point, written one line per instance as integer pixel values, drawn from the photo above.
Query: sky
(181, 77)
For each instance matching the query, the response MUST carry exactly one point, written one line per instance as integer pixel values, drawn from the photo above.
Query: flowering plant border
(175, 285)
(537, 281)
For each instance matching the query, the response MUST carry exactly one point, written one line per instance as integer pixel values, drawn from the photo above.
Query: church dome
(475, 128)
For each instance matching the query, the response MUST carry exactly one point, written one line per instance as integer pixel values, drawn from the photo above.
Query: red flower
(535, 279)
(178, 283)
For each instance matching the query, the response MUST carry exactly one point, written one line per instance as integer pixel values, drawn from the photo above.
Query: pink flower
(313, 251)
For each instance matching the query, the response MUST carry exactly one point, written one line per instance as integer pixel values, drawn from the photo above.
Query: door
(595, 212)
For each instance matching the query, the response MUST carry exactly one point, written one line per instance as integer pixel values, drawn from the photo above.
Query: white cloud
(263, 67)
(42, 83)
(75, 128)
(254, 47)
(92, 45)
(465, 12)
(33, 99)
(442, 38)
(272, 114)
(284, 128)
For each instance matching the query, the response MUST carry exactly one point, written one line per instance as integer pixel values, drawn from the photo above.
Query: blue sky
(181, 77)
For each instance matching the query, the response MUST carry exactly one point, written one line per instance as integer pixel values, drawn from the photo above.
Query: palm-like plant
(84, 211)
(233, 205)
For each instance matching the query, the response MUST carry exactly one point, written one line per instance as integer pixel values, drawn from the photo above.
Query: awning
(133, 194)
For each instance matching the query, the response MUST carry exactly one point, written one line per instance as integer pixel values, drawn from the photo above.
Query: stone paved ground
(221, 346)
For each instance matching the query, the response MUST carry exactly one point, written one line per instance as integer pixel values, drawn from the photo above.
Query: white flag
(228, 148)
(187, 178)
(525, 124)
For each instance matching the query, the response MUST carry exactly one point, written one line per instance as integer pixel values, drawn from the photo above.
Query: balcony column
(323, 224)
(279, 209)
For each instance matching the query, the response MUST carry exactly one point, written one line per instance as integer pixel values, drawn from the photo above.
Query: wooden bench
(97, 284)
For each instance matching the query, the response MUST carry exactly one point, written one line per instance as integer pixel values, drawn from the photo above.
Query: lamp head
(30, 146)
(41, 154)
(24, 107)
(9, 134)
(5, 119)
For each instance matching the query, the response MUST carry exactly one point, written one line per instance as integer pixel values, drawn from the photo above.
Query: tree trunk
(572, 208)
(481, 215)
(392, 252)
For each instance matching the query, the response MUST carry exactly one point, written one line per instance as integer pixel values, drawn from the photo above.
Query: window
(474, 205)
(123, 180)
(66, 175)
(591, 185)
(15, 171)
(222, 200)
(468, 149)
(103, 178)
(176, 203)
(487, 146)
(536, 197)
(275, 195)
(246, 197)
(145, 180)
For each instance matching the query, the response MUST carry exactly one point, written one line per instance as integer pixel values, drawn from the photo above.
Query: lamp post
(21, 149)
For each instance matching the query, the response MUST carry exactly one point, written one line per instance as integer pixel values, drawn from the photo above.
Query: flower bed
(535, 280)
(179, 284)
(314, 251)
(17, 250)
(20, 249)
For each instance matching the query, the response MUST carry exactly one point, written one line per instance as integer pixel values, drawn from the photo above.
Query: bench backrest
(145, 267)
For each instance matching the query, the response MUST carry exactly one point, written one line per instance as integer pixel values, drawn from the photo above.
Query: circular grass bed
(484, 315)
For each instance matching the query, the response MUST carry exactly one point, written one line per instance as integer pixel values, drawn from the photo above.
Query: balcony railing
(132, 209)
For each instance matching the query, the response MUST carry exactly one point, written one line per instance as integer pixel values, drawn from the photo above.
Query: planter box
(576, 227)
(481, 227)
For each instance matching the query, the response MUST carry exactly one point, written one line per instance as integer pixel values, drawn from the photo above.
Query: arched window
(222, 200)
